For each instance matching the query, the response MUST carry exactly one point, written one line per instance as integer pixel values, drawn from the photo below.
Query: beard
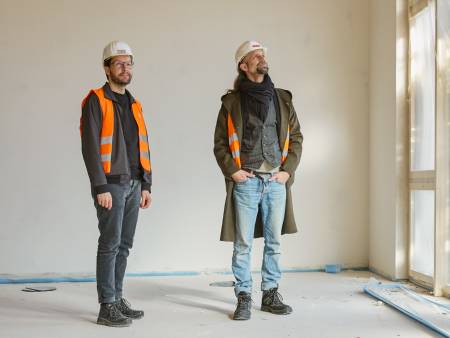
(262, 68)
(122, 79)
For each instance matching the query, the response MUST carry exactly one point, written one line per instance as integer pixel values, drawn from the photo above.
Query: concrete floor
(325, 305)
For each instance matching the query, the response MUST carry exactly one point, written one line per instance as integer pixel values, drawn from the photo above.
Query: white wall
(51, 57)
(388, 138)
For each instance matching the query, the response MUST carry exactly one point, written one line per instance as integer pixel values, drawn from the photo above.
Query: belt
(257, 173)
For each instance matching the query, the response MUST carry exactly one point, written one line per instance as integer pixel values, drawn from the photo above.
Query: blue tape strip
(302, 270)
(141, 274)
(294, 270)
(323, 269)
(162, 274)
(406, 312)
(91, 279)
(45, 280)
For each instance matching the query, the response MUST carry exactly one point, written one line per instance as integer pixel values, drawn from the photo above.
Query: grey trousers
(117, 227)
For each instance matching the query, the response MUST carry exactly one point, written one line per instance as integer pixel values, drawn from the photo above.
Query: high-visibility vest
(235, 147)
(107, 132)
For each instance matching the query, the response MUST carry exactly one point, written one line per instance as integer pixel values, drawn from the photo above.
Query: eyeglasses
(122, 64)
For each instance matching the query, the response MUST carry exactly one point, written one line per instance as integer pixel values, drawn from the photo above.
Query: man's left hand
(280, 177)
(146, 199)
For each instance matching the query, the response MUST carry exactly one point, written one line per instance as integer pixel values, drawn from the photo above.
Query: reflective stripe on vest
(107, 131)
(235, 147)
(144, 148)
(284, 154)
(233, 141)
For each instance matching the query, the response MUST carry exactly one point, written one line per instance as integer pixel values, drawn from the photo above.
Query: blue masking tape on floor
(90, 279)
(162, 274)
(22, 280)
(46, 280)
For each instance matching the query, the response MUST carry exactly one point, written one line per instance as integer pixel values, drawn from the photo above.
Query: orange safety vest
(107, 132)
(235, 147)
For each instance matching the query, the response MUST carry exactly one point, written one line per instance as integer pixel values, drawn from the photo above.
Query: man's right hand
(241, 176)
(105, 200)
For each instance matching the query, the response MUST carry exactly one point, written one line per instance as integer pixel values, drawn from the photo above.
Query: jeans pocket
(242, 182)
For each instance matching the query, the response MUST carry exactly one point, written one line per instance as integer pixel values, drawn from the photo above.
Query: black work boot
(272, 302)
(125, 307)
(244, 306)
(110, 315)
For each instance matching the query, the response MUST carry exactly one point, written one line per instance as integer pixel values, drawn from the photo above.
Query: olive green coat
(231, 103)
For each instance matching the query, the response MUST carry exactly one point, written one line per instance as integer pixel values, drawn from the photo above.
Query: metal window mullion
(418, 180)
(442, 220)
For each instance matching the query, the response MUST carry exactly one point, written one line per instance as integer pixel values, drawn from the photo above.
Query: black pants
(117, 227)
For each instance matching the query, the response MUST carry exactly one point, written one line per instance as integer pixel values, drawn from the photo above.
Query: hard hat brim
(243, 56)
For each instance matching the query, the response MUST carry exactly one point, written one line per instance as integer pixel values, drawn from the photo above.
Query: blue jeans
(117, 227)
(258, 194)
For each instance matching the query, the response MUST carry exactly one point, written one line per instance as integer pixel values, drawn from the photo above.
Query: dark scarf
(256, 97)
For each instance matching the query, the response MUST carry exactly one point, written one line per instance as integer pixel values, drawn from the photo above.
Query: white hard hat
(247, 47)
(115, 48)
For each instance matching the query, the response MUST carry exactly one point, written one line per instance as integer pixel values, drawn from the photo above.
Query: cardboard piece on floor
(430, 313)
(39, 289)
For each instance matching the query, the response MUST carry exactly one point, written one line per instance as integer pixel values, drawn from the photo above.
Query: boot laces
(275, 297)
(115, 312)
(243, 301)
(125, 303)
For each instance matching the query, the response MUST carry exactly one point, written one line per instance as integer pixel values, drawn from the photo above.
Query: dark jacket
(288, 117)
(91, 126)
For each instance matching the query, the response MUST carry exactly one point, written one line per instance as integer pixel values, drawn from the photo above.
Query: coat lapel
(236, 114)
(284, 119)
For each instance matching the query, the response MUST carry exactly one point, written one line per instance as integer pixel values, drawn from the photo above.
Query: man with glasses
(257, 144)
(117, 157)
